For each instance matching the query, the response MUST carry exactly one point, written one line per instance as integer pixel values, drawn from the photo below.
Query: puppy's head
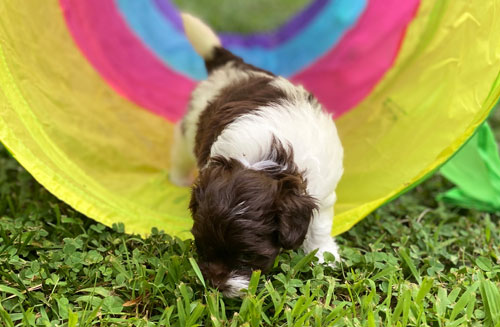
(242, 217)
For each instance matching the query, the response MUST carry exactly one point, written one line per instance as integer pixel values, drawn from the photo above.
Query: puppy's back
(239, 109)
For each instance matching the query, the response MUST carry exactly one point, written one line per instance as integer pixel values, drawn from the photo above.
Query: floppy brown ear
(195, 195)
(295, 210)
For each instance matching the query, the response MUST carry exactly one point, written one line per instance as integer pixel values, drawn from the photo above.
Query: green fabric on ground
(475, 170)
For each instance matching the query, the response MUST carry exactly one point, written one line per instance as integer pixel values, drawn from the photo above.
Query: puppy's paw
(332, 247)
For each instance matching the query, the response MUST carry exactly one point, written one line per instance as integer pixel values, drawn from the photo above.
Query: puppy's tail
(206, 43)
(203, 39)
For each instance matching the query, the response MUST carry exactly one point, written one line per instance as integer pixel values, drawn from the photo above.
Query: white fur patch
(262, 165)
(293, 92)
(235, 284)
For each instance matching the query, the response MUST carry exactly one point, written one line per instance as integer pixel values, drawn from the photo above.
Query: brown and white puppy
(269, 160)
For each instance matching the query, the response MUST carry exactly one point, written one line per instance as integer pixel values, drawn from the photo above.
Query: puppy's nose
(218, 282)
(215, 273)
(221, 286)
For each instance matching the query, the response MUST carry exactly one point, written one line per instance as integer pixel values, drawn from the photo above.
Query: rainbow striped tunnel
(90, 90)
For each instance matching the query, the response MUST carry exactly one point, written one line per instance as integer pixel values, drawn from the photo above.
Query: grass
(414, 262)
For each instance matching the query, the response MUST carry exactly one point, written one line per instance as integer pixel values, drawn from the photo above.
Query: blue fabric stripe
(161, 37)
(319, 36)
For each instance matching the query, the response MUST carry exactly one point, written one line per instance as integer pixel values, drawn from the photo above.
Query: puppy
(269, 160)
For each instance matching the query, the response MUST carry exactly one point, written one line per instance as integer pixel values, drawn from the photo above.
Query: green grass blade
(425, 287)
(197, 271)
(254, 282)
(181, 313)
(491, 299)
(72, 318)
(13, 291)
(464, 299)
(308, 258)
(409, 262)
(6, 317)
(441, 303)
(195, 314)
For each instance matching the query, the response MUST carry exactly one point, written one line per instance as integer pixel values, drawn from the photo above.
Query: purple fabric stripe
(267, 39)
(169, 10)
(283, 33)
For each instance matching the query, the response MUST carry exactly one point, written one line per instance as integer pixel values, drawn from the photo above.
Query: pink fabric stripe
(349, 72)
(122, 59)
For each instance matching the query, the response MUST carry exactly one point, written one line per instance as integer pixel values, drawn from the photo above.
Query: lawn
(413, 262)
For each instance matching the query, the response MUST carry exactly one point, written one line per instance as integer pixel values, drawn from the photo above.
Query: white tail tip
(203, 39)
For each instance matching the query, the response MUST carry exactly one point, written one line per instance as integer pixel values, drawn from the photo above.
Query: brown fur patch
(234, 101)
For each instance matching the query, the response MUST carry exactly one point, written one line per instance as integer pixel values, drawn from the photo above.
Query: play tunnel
(90, 91)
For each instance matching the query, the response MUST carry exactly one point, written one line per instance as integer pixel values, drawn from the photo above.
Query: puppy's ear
(196, 194)
(295, 210)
